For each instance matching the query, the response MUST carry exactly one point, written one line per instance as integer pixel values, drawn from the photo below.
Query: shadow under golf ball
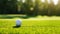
(16, 26)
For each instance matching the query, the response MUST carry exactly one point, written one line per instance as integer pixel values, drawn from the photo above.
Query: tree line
(29, 7)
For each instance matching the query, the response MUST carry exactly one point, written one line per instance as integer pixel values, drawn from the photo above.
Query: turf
(30, 26)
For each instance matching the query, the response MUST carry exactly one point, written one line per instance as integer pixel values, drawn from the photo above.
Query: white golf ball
(18, 22)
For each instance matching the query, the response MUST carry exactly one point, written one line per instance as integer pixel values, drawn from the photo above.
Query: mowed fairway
(30, 26)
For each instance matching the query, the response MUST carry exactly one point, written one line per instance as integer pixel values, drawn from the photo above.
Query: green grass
(30, 26)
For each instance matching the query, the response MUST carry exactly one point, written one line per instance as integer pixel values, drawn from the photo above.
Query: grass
(31, 26)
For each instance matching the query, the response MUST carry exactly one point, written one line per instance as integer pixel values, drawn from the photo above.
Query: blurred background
(38, 16)
(30, 7)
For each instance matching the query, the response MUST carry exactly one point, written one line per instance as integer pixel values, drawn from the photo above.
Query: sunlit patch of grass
(30, 26)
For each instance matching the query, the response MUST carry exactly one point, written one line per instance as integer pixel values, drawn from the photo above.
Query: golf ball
(18, 22)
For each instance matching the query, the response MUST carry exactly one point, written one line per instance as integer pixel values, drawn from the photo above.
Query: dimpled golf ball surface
(18, 22)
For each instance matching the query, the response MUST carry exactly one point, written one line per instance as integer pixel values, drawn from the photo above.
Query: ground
(40, 25)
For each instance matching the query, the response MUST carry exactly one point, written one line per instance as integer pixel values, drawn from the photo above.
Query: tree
(8, 6)
(51, 8)
(3, 6)
(21, 7)
(28, 5)
(44, 7)
(58, 8)
(36, 8)
(12, 6)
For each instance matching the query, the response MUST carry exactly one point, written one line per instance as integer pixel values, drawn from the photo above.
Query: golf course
(29, 16)
(37, 25)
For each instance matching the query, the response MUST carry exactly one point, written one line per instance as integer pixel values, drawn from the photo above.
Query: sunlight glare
(33, 0)
(43, 0)
(23, 1)
(48, 1)
(55, 2)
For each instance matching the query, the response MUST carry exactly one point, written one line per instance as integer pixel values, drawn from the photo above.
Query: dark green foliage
(39, 8)
(7, 7)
